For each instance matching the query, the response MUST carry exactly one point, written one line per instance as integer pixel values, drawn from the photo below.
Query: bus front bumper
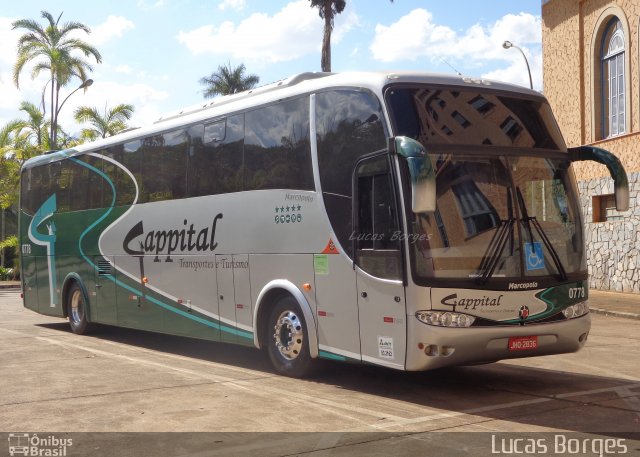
(430, 347)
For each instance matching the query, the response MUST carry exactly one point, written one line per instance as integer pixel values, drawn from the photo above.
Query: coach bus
(412, 221)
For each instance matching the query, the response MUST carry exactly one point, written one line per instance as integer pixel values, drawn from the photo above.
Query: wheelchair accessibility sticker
(534, 256)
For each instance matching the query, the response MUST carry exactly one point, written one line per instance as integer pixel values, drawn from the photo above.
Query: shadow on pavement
(530, 396)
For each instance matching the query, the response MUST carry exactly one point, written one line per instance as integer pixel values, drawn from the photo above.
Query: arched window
(613, 80)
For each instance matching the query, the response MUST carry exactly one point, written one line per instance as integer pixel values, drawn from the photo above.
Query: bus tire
(77, 310)
(287, 339)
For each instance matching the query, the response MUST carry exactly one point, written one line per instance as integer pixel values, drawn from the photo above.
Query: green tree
(16, 148)
(53, 48)
(328, 10)
(9, 177)
(113, 120)
(9, 258)
(9, 165)
(36, 126)
(228, 80)
(7, 134)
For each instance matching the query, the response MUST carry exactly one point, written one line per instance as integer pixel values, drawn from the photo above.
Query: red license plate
(523, 343)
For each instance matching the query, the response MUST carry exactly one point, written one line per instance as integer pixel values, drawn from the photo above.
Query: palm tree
(228, 80)
(36, 127)
(7, 134)
(113, 121)
(9, 177)
(327, 10)
(52, 49)
(14, 151)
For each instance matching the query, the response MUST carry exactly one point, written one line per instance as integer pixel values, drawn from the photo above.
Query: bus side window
(277, 150)
(121, 180)
(350, 124)
(215, 157)
(40, 187)
(164, 172)
(60, 177)
(376, 233)
(98, 187)
(27, 191)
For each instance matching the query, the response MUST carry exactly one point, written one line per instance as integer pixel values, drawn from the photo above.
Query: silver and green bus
(412, 221)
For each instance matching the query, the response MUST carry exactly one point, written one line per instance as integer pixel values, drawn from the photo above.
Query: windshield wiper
(494, 250)
(532, 220)
(502, 235)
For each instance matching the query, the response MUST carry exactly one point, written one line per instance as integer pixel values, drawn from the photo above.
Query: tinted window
(40, 186)
(125, 187)
(60, 179)
(215, 160)
(377, 249)
(349, 125)
(99, 193)
(164, 162)
(131, 158)
(277, 152)
(26, 191)
(79, 190)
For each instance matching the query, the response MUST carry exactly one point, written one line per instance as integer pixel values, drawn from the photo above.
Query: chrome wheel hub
(289, 335)
(77, 308)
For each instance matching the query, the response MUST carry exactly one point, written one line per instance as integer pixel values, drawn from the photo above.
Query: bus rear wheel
(77, 310)
(288, 343)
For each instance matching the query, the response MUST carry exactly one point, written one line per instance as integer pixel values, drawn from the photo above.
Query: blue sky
(155, 51)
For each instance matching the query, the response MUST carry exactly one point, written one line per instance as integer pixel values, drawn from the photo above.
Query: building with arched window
(591, 67)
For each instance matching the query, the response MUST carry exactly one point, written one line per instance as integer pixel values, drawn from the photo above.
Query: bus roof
(294, 85)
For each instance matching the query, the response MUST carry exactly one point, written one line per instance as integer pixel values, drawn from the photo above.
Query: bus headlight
(445, 318)
(577, 310)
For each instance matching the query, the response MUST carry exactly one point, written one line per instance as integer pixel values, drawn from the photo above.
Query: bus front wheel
(288, 343)
(77, 310)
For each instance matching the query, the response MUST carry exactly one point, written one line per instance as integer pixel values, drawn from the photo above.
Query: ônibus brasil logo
(34, 445)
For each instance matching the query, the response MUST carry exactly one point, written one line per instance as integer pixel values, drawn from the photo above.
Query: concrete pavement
(614, 304)
(66, 386)
(600, 302)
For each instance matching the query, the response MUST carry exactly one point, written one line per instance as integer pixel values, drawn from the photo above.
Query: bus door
(226, 297)
(337, 308)
(381, 294)
(104, 299)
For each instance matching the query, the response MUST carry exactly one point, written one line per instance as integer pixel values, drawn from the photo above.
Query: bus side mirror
(613, 164)
(423, 177)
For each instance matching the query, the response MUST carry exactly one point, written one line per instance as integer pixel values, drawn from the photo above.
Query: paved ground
(617, 304)
(130, 381)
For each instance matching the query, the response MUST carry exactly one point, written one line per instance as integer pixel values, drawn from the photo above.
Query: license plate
(523, 343)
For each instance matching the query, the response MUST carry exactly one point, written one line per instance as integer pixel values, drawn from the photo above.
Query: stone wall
(612, 248)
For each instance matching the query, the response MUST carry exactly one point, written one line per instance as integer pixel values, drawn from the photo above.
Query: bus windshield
(499, 217)
(507, 206)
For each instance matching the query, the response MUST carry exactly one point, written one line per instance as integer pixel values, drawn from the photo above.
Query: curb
(606, 312)
(9, 286)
